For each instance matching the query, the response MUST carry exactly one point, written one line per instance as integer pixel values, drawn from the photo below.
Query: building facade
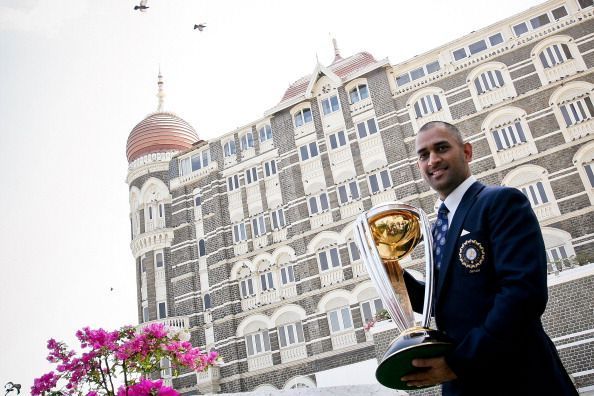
(246, 240)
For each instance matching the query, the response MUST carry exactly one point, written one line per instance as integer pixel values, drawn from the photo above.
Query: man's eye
(422, 157)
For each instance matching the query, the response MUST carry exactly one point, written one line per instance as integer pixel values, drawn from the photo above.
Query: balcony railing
(250, 302)
(288, 291)
(359, 268)
(305, 129)
(546, 211)
(259, 362)
(155, 224)
(181, 322)
(266, 145)
(581, 129)
(495, 96)
(343, 340)
(331, 277)
(279, 235)
(210, 375)
(384, 196)
(292, 353)
(351, 209)
(240, 248)
(514, 153)
(562, 70)
(321, 219)
(361, 106)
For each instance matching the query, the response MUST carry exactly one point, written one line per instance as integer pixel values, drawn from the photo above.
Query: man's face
(443, 160)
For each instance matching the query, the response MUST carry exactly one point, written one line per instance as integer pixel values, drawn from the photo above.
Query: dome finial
(161, 93)
(337, 56)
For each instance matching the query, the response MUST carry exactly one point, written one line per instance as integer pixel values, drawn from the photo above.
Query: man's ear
(468, 152)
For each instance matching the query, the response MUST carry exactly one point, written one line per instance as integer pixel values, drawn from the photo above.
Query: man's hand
(436, 371)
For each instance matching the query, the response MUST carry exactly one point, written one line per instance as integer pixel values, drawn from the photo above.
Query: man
(491, 288)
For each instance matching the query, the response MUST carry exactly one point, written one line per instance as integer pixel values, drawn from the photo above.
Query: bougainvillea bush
(120, 362)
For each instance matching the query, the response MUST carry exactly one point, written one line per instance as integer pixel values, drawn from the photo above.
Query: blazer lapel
(454, 231)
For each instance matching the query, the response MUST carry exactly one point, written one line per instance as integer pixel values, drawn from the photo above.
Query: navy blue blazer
(490, 294)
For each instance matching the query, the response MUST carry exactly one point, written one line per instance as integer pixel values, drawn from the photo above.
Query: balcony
(321, 219)
(230, 161)
(292, 353)
(269, 296)
(351, 209)
(331, 276)
(193, 176)
(240, 248)
(359, 269)
(254, 198)
(546, 211)
(343, 340)
(259, 362)
(361, 106)
(515, 153)
(155, 224)
(248, 153)
(372, 152)
(305, 129)
(440, 115)
(266, 145)
(288, 291)
(495, 96)
(580, 130)
(153, 240)
(235, 205)
(260, 242)
(560, 71)
(279, 235)
(384, 196)
(208, 381)
(250, 302)
(312, 173)
(180, 322)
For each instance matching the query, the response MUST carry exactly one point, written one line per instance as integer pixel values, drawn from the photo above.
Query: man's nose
(434, 158)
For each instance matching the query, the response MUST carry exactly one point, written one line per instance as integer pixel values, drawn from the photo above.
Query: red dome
(160, 132)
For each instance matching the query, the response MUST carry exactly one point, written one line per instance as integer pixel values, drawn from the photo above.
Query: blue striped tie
(440, 230)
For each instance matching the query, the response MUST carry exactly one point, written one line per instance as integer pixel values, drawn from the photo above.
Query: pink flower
(147, 387)
(44, 383)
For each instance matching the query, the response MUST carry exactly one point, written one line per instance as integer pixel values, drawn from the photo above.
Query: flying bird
(142, 6)
(200, 26)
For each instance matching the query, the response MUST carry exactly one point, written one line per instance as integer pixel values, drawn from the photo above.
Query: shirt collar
(452, 201)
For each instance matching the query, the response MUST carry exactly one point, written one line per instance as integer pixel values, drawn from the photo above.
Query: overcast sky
(77, 75)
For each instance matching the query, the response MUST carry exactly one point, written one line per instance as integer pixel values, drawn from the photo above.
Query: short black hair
(449, 127)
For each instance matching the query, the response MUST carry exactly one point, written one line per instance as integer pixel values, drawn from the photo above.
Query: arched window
(533, 181)
(489, 84)
(207, 301)
(265, 132)
(229, 148)
(247, 141)
(427, 105)
(302, 117)
(560, 252)
(201, 248)
(358, 93)
(584, 162)
(508, 135)
(556, 58)
(197, 198)
(573, 105)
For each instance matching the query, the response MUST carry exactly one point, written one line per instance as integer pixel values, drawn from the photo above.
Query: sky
(77, 75)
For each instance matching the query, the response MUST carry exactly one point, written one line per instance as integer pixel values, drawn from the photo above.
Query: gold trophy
(384, 235)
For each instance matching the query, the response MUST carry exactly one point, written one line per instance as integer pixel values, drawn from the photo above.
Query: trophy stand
(384, 235)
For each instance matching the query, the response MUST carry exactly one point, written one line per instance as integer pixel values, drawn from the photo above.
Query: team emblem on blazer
(472, 255)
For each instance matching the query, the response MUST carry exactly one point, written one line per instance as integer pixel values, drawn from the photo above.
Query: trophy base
(416, 342)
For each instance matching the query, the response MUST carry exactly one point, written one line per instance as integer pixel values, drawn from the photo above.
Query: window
(428, 104)
(540, 21)
(251, 175)
(509, 136)
(577, 111)
(330, 105)
(318, 204)
(488, 81)
(308, 151)
(337, 140)
(159, 260)
(535, 193)
(257, 343)
(161, 310)
(589, 168)
(266, 281)
(247, 141)
(193, 163)
(269, 168)
(379, 181)
(348, 192)
(354, 251)
(340, 319)
(197, 199)
(368, 127)
(586, 3)
(265, 133)
(161, 208)
(229, 148)
(302, 117)
(232, 183)
(415, 74)
(555, 55)
(290, 334)
(359, 93)
(287, 274)
(329, 259)
(478, 46)
(201, 248)
(370, 308)
(277, 218)
(150, 212)
(145, 314)
(246, 288)
(239, 233)
(258, 226)
(207, 301)
(557, 254)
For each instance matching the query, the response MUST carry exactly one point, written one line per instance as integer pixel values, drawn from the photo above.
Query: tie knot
(443, 209)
